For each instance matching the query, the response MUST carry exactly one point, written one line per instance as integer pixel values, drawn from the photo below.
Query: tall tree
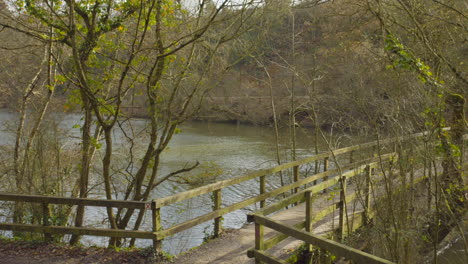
(427, 38)
(119, 49)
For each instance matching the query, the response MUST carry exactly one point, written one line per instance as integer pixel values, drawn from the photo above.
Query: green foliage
(207, 235)
(155, 257)
(405, 59)
(95, 143)
(315, 256)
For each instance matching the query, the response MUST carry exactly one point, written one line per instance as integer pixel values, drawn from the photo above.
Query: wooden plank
(367, 194)
(156, 222)
(273, 241)
(71, 201)
(218, 213)
(225, 183)
(259, 236)
(269, 243)
(296, 177)
(77, 231)
(315, 189)
(228, 182)
(299, 197)
(381, 142)
(308, 216)
(217, 205)
(262, 257)
(325, 168)
(201, 219)
(45, 221)
(324, 212)
(295, 198)
(343, 209)
(326, 244)
(262, 189)
(308, 211)
(358, 221)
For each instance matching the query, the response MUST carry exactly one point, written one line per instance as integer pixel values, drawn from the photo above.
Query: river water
(229, 150)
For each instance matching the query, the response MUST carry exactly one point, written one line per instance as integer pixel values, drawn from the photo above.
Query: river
(228, 149)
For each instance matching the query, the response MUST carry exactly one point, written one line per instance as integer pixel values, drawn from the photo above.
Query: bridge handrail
(258, 252)
(326, 244)
(161, 202)
(260, 220)
(157, 233)
(355, 170)
(300, 197)
(216, 188)
(15, 197)
(49, 229)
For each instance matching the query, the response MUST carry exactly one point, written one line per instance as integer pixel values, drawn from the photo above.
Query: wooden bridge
(303, 210)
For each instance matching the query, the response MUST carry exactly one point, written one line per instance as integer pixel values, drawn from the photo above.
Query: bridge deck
(232, 246)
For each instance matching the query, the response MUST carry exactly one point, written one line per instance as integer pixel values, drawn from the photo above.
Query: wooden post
(156, 218)
(296, 177)
(429, 179)
(45, 221)
(325, 168)
(367, 193)
(218, 225)
(308, 220)
(342, 216)
(412, 189)
(308, 200)
(259, 245)
(262, 189)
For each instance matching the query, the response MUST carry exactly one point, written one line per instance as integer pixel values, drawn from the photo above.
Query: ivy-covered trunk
(453, 204)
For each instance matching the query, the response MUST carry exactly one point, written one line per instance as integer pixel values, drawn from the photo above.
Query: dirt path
(231, 247)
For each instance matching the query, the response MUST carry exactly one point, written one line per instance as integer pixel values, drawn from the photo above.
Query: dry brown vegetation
(375, 68)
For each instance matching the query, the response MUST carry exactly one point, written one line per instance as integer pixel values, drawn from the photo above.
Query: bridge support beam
(259, 239)
(156, 220)
(308, 220)
(262, 189)
(367, 195)
(218, 224)
(342, 212)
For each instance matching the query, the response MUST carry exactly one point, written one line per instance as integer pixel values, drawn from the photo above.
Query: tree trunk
(453, 204)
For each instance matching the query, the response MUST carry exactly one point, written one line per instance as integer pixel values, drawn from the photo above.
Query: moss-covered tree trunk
(452, 204)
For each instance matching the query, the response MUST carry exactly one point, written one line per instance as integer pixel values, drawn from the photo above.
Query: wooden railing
(216, 188)
(261, 220)
(303, 230)
(48, 229)
(327, 244)
(328, 176)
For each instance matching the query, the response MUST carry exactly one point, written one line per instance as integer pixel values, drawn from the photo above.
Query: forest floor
(29, 252)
